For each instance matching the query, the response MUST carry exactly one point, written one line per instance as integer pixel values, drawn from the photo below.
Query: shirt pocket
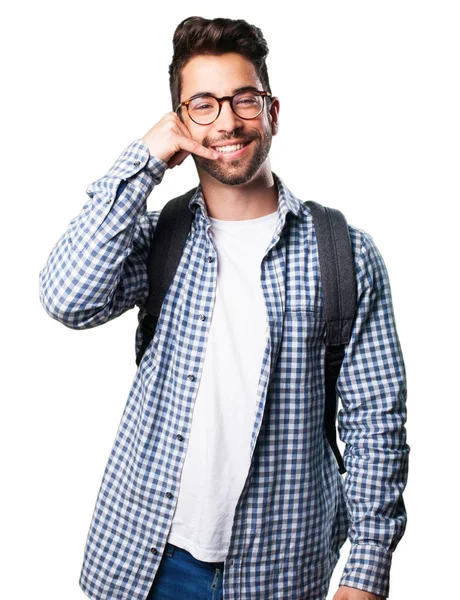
(303, 346)
(305, 320)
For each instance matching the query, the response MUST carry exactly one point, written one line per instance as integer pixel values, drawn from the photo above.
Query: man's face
(221, 75)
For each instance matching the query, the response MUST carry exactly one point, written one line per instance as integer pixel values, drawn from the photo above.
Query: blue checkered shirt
(295, 510)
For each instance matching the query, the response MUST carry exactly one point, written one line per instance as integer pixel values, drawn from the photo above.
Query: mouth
(239, 151)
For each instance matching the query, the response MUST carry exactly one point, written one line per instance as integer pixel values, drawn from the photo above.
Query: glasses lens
(248, 104)
(203, 109)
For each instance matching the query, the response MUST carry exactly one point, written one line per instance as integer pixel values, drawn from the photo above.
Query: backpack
(337, 279)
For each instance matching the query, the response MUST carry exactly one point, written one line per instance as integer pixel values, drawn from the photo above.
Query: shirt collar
(287, 201)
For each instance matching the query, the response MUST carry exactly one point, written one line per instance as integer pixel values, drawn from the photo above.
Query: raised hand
(170, 140)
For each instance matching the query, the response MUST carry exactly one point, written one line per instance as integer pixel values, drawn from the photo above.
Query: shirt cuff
(156, 165)
(368, 569)
(132, 160)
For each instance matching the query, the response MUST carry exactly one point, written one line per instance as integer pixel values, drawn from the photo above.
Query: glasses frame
(262, 93)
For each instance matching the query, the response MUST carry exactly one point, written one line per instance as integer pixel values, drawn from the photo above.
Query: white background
(369, 124)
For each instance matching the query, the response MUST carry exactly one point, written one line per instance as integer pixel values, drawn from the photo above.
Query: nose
(227, 119)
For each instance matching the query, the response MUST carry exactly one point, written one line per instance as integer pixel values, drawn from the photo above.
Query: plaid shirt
(295, 509)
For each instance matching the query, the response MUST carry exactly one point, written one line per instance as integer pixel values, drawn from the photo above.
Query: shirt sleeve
(98, 267)
(372, 388)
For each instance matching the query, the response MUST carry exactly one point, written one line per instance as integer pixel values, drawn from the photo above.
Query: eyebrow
(244, 88)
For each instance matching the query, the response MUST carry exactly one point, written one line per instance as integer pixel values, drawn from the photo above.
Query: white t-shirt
(217, 460)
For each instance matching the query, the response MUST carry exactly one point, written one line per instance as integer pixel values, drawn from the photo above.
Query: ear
(274, 114)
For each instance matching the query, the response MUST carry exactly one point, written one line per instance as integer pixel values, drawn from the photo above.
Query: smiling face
(221, 76)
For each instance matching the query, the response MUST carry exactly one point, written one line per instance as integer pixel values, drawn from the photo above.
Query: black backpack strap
(338, 282)
(165, 252)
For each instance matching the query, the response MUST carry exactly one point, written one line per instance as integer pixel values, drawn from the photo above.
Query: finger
(181, 156)
(183, 129)
(178, 158)
(197, 148)
(181, 126)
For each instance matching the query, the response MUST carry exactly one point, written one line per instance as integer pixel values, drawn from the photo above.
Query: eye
(246, 101)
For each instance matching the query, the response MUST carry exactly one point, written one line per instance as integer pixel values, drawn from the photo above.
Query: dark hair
(196, 35)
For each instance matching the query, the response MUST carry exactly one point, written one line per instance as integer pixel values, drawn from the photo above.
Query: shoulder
(362, 242)
(370, 267)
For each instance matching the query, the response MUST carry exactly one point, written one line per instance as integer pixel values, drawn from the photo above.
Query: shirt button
(137, 163)
(191, 377)
(109, 200)
(210, 259)
(202, 317)
(154, 550)
(169, 495)
(180, 437)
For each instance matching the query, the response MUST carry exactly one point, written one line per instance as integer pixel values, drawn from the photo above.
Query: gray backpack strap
(338, 281)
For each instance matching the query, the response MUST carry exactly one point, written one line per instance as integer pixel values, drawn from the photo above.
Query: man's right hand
(170, 140)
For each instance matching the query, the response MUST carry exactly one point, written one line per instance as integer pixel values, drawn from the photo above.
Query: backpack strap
(338, 281)
(165, 252)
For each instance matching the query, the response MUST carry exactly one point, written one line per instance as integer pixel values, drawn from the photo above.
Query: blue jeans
(182, 576)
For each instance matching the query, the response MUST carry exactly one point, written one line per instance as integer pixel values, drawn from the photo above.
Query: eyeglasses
(204, 110)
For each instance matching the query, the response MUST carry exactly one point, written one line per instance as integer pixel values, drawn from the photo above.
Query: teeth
(229, 148)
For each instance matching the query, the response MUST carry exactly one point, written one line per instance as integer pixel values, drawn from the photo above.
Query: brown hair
(196, 35)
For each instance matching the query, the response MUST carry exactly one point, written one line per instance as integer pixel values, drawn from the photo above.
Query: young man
(221, 483)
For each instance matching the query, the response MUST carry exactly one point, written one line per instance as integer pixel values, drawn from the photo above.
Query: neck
(256, 198)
